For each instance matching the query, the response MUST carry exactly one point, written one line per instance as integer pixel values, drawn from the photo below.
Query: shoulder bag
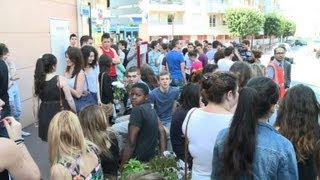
(83, 100)
(186, 144)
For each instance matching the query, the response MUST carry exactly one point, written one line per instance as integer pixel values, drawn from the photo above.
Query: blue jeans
(15, 101)
(167, 125)
(177, 83)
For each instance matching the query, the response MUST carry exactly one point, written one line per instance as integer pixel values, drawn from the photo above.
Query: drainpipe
(79, 19)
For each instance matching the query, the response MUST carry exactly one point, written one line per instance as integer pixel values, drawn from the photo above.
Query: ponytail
(240, 143)
(44, 66)
(39, 77)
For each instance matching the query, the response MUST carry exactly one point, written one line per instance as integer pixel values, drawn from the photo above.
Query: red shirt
(109, 52)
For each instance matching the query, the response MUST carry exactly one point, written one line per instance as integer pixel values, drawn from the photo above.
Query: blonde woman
(96, 129)
(70, 155)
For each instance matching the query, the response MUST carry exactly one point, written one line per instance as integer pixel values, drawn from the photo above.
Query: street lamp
(89, 20)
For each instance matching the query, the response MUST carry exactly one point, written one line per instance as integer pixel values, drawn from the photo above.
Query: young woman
(297, 120)
(189, 98)
(96, 129)
(221, 92)
(91, 69)
(243, 71)
(196, 63)
(105, 81)
(51, 89)
(75, 75)
(251, 148)
(70, 155)
(148, 76)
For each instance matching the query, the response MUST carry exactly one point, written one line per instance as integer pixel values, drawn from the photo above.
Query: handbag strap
(59, 87)
(186, 143)
(101, 81)
(76, 79)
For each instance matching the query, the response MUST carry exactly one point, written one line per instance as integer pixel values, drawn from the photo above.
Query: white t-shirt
(203, 129)
(224, 64)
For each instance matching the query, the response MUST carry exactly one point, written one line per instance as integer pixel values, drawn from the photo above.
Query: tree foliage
(289, 28)
(244, 21)
(274, 25)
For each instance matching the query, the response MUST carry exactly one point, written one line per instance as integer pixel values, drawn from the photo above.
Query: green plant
(166, 166)
(132, 166)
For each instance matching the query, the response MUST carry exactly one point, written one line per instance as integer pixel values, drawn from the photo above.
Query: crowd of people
(216, 104)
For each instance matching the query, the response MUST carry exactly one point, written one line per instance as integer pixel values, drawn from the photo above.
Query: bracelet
(19, 141)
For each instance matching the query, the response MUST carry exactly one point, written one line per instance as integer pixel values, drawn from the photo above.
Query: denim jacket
(274, 158)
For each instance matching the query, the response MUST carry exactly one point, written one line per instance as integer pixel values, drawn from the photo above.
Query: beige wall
(24, 28)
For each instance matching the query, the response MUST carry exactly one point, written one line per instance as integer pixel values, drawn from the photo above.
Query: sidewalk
(38, 150)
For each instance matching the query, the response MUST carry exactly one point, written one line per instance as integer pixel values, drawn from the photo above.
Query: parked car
(289, 53)
(314, 87)
(291, 42)
(300, 42)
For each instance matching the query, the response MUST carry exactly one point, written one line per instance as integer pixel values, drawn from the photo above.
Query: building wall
(24, 28)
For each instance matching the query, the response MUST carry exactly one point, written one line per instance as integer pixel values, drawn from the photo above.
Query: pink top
(196, 65)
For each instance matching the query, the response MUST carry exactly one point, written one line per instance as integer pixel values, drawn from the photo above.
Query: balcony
(167, 5)
(217, 6)
(178, 2)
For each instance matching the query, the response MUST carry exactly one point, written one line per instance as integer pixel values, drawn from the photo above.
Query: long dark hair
(148, 76)
(190, 96)
(86, 51)
(105, 62)
(44, 65)
(255, 102)
(76, 57)
(298, 120)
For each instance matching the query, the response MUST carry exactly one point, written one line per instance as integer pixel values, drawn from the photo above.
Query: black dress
(50, 105)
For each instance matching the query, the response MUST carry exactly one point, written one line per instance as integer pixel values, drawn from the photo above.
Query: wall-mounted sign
(85, 10)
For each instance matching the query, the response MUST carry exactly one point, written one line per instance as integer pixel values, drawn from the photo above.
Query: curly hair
(298, 120)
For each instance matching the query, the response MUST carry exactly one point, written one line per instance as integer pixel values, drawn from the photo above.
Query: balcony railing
(217, 6)
(177, 2)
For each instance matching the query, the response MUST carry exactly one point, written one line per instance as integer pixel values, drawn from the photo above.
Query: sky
(306, 15)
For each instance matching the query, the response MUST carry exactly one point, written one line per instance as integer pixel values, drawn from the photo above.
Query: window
(212, 20)
(170, 18)
(223, 21)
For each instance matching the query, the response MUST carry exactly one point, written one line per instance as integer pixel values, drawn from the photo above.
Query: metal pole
(89, 20)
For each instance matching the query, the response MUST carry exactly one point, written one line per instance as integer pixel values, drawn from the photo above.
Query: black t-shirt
(110, 164)
(4, 81)
(145, 117)
(177, 140)
(106, 94)
(164, 61)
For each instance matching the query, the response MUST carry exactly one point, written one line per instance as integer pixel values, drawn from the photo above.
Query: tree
(273, 25)
(289, 28)
(244, 21)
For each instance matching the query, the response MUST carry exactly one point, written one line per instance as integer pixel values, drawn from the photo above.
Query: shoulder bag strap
(101, 83)
(59, 87)
(85, 76)
(186, 143)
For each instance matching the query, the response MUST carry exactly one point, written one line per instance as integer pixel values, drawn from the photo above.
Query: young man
(145, 128)
(176, 64)
(106, 49)
(163, 98)
(86, 41)
(225, 63)
(280, 70)
(73, 40)
(245, 51)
